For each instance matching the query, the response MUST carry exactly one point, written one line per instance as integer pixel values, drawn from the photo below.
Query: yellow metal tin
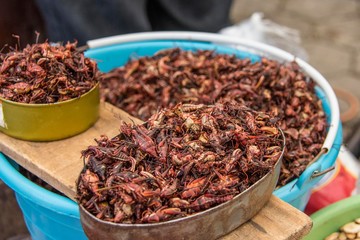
(48, 122)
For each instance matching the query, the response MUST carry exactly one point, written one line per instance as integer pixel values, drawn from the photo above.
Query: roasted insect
(181, 161)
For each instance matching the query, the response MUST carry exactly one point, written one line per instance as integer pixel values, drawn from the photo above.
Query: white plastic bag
(263, 30)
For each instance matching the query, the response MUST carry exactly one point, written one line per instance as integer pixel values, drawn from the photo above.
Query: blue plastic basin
(51, 216)
(47, 215)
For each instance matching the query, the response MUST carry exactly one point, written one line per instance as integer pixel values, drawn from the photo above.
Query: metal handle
(318, 174)
(313, 171)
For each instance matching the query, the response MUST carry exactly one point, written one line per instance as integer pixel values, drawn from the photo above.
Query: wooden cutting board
(59, 163)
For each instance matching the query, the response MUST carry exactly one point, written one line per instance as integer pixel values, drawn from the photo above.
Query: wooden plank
(276, 220)
(59, 162)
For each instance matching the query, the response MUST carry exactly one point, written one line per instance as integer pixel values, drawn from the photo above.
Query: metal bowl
(47, 122)
(209, 224)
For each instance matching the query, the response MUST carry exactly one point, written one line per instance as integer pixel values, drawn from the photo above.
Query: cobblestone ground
(330, 35)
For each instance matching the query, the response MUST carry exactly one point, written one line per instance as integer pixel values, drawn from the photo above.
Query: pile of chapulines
(183, 160)
(145, 85)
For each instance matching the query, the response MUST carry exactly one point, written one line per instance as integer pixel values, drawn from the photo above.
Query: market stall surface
(328, 28)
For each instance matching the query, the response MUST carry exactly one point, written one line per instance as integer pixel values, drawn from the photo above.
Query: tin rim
(40, 105)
